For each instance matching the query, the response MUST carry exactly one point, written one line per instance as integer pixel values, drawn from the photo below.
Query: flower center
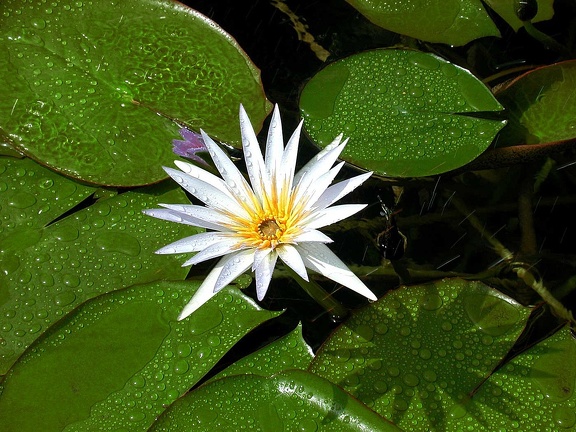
(270, 229)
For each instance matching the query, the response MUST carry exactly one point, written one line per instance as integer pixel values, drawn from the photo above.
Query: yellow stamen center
(270, 229)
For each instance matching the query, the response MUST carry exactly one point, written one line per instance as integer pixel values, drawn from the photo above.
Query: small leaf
(454, 22)
(117, 361)
(407, 113)
(92, 88)
(419, 350)
(290, 401)
(47, 269)
(541, 105)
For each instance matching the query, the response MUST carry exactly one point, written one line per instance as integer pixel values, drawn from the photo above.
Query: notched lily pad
(541, 105)
(93, 86)
(454, 22)
(47, 269)
(418, 351)
(407, 113)
(290, 401)
(120, 359)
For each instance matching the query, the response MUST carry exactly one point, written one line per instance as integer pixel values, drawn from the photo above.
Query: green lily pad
(288, 352)
(540, 105)
(417, 352)
(535, 391)
(407, 113)
(48, 269)
(507, 10)
(294, 400)
(118, 360)
(454, 22)
(92, 88)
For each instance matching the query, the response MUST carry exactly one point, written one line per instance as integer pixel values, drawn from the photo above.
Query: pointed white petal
(288, 165)
(291, 257)
(311, 236)
(263, 272)
(234, 265)
(318, 188)
(204, 293)
(274, 143)
(335, 143)
(206, 192)
(331, 215)
(339, 190)
(193, 243)
(174, 216)
(253, 156)
(309, 174)
(319, 258)
(223, 247)
(235, 181)
(214, 217)
(202, 174)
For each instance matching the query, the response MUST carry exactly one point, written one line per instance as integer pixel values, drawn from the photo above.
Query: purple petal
(192, 144)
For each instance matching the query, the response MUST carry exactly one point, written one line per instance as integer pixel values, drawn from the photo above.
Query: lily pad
(93, 88)
(407, 113)
(290, 401)
(454, 22)
(541, 105)
(414, 355)
(288, 352)
(48, 268)
(117, 361)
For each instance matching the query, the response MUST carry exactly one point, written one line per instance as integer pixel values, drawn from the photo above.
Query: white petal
(202, 174)
(339, 190)
(234, 265)
(222, 247)
(309, 174)
(335, 143)
(311, 236)
(253, 156)
(274, 143)
(321, 218)
(291, 257)
(317, 189)
(204, 293)
(318, 257)
(193, 243)
(213, 218)
(264, 271)
(206, 192)
(174, 216)
(235, 181)
(288, 165)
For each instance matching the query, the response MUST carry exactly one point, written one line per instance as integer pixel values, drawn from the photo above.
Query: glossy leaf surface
(50, 268)
(117, 361)
(417, 352)
(94, 86)
(403, 111)
(454, 22)
(292, 400)
(541, 105)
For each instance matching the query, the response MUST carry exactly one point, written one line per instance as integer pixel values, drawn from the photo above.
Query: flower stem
(324, 299)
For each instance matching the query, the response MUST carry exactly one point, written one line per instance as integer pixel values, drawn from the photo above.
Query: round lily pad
(407, 113)
(95, 90)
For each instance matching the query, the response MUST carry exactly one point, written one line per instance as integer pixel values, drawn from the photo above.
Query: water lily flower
(190, 145)
(276, 216)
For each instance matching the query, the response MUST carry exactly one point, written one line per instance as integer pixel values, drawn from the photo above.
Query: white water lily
(278, 215)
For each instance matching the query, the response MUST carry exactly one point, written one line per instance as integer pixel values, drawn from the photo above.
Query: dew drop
(64, 298)
(204, 319)
(114, 241)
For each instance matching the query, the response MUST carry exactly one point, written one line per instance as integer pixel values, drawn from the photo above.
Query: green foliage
(119, 359)
(98, 89)
(407, 113)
